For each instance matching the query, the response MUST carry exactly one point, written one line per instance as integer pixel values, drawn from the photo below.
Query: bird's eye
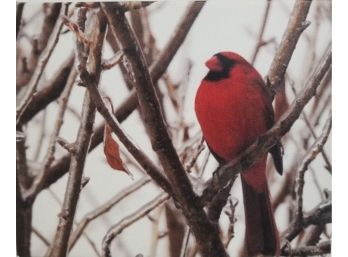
(225, 62)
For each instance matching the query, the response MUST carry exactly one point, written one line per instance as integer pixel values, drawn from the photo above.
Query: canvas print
(173, 128)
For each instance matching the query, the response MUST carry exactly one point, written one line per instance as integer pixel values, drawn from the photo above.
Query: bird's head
(220, 65)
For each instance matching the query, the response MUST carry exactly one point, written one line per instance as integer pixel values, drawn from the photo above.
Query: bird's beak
(214, 64)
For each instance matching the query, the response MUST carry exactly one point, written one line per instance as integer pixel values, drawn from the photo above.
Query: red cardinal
(234, 109)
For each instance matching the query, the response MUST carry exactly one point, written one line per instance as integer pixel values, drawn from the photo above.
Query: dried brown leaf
(112, 149)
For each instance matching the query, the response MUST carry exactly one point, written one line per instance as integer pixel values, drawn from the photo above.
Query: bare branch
(318, 216)
(208, 240)
(104, 209)
(49, 158)
(24, 210)
(116, 229)
(179, 34)
(39, 43)
(296, 25)
(151, 169)
(312, 153)
(313, 235)
(40, 236)
(113, 61)
(50, 91)
(97, 27)
(194, 158)
(260, 42)
(22, 171)
(232, 220)
(321, 249)
(44, 57)
(311, 129)
(185, 242)
(133, 5)
(130, 104)
(323, 152)
(19, 13)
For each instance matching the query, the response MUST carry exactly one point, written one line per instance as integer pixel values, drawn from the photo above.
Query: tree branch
(40, 236)
(311, 155)
(318, 216)
(44, 57)
(296, 25)
(116, 229)
(151, 169)
(50, 91)
(134, 5)
(49, 158)
(93, 69)
(130, 104)
(24, 210)
(318, 250)
(39, 43)
(207, 239)
(104, 208)
(260, 42)
(19, 12)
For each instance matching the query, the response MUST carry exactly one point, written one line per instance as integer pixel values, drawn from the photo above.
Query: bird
(234, 108)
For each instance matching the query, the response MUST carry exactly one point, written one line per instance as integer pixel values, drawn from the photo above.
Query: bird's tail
(261, 235)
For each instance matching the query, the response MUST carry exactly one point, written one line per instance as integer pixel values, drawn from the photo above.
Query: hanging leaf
(112, 149)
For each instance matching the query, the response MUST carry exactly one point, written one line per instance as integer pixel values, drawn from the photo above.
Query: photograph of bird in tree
(173, 128)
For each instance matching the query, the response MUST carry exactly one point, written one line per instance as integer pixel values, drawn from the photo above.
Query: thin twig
(104, 208)
(326, 87)
(260, 42)
(312, 132)
(296, 25)
(113, 61)
(134, 5)
(312, 153)
(50, 91)
(155, 233)
(49, 158)
(271, 137)
(40, 236)
(116, 229)
(232, 220)
(318, 250)
(323, 152)
(322, 214)
(19, 13)
(44, 57)
(39, 43)
(93, 69)
(185, 242)
(151, 169)
(208, 239)
(89, 240)
(197, 153)
(130, 104)
(21, 164)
